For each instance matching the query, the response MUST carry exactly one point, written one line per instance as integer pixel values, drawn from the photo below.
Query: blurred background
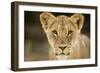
(36, 45)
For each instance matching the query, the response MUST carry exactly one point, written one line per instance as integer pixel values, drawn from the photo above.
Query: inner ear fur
(47, 19)
(78, 20)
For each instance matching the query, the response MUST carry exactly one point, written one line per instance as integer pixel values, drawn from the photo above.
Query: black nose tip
(62, 47)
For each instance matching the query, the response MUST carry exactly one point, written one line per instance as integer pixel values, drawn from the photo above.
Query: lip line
(63, 53)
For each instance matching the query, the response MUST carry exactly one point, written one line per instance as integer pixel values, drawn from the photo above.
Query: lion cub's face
(61, 31)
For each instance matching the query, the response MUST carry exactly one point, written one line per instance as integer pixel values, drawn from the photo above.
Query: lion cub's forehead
(62, 18)
(64, 21)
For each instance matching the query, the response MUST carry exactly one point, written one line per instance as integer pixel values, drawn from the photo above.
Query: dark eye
(55, 32)
(69, 32)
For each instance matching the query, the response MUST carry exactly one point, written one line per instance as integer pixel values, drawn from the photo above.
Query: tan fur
(64, 36)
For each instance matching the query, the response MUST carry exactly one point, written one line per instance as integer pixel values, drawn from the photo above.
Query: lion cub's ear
(46, 20)
(78, 20)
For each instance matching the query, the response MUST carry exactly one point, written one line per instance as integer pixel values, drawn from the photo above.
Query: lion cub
(64, 36)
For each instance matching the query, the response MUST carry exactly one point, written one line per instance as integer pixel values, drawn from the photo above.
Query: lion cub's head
(62, 32)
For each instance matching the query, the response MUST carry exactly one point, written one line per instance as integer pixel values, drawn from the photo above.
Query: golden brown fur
(64, 36)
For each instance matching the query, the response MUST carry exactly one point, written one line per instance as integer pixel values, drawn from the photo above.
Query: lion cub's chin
(62, 57)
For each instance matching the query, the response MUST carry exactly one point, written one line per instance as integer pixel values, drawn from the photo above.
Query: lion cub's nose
(62, 47)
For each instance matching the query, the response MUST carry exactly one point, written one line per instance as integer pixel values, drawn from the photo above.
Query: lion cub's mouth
(63, 56)
(63, 53)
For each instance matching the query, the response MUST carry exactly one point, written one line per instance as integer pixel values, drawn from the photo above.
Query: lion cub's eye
(55, 32)
(69, 32)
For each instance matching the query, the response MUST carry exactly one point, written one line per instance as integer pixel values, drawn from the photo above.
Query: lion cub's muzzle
(62, 48)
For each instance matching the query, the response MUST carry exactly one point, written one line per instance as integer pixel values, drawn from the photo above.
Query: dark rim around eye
(69, 32)
(55, 32)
